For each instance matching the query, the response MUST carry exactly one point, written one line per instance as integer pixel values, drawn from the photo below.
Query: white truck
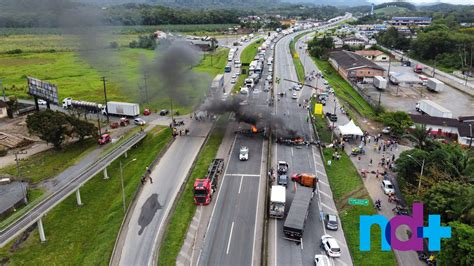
(433, 109)
(380, 82)
(434, 85)
(217, 83)
(122, 109)
(277, 202)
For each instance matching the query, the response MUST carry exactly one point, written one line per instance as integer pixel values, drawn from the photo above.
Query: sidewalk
(139, 238)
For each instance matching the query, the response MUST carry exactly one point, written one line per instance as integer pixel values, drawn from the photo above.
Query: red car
(146, 112)
(104, 139)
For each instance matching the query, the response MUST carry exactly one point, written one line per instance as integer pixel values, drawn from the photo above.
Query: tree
(49, 126)
(81, 128)
(407, 168)
(319, 47)
(12, 105)
(420, 135)
(459, 249)
(449, 199)
(398, 121)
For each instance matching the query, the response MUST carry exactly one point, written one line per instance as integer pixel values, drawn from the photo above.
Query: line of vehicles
(113, 108)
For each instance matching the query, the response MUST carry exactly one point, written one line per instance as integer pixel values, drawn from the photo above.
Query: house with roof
(352, 66)
(373, 55)
(459, 130)
(354, 41)
(410, 21)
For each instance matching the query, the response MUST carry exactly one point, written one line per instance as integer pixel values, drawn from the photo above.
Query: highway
(37, 211)
(234, 233)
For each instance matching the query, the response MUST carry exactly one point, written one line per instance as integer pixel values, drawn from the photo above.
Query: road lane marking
(240, 187)
(324, 193)
(275, 229)
(243, 175)
(324, 183)
(230, 237)
(327, 207)
(292, 152)
(322, 173)
(256, 209)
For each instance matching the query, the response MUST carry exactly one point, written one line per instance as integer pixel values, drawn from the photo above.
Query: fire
(254, 129)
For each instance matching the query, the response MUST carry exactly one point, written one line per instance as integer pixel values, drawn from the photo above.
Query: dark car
(164, 112)
(331, 222)
(333, 117)
(283, 180)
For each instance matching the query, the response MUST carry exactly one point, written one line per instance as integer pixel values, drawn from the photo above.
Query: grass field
(86, 235)
(346, 183)
(344, 90)
(213, 63)
(246, 57)
(51, 162)
(392, 10)
(185, 208)
(296, 60)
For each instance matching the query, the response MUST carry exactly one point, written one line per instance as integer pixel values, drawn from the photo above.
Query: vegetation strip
(346, 183)
(86, 235)
(185, 207)
(246, 57)
(296, 60)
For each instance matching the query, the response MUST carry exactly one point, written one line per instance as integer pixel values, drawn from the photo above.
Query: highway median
(246, 57)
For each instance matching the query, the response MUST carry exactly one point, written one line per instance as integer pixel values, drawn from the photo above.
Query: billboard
(43, 90)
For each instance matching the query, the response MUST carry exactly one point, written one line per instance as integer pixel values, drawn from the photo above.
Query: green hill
(391, 10)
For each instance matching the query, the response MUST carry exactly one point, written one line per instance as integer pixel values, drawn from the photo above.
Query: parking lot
(404, 97)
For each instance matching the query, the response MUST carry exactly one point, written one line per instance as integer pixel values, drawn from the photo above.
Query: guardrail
(34, 213)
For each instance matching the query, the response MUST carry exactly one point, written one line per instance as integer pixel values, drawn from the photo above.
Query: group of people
(147, 176)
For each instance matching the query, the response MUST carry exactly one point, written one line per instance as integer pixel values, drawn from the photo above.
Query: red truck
(204, 188)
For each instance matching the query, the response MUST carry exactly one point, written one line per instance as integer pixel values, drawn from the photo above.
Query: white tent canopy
(350, 129)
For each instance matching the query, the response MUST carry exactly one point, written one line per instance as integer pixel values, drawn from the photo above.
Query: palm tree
(420, 135)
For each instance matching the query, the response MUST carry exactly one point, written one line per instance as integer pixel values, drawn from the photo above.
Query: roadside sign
(318, 108)
(362, 202)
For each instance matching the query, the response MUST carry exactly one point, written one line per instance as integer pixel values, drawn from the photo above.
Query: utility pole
(105, 97)
(3, 91)
(146, 88)
(17, 162)
(470, 141)
(171, 103)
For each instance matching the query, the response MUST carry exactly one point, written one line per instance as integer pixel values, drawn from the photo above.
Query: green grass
(322, 128)
(296, 60)
(185, 208)
(392, 10)
(247, 56)
(214, 63)
(51, 162)
(344, 90)
(86, 235)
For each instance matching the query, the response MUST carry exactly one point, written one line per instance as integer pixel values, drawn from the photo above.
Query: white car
(233, 81)
(330, 245)
(387, 187)
(237, 74)
(244, 153)
(139, 121)
(322, 260)
(41, 102)
(294, 96)
(234, 76)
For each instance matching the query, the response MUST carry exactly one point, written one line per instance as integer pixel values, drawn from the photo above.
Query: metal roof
(278, 194)
(11, 194)
(299, 207)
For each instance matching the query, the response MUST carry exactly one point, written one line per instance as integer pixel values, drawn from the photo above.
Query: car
(330, 245)
(244, 102)
(333, 117)
(296, 87)
(270, 70)
(244, 153)
(331, 222)
(146, 112)
(139, 121)
(233, 81)
(325, 82)
(322, 260)
(269, 77)
(386, 130)
(234, 76)
(256, 91)
(164, 112)
(282, 167)
(282, 93)
(294, 96)
(104, 139)
(225, 96)
(387, 187)
(237, 74)
(41, 102)
(283, 180)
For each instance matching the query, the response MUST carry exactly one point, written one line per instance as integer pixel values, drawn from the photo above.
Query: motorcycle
(378, 205)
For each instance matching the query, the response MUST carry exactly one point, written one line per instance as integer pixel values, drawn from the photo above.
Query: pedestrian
(370, 162)
(151, 180)
(329, 163)
(334, 156)
(143, 180)
(148, 171)
(380, 147)
(383, 147)
(377, 174)
(393, 158)
(368, 139)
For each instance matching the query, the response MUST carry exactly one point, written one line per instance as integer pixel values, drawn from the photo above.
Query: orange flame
(254, 129)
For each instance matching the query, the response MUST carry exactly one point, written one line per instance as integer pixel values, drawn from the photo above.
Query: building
(459, 130)
(410, 21)
(338, 43)
(373, 55)
(352, 66)
(353, 41)
(13, 195)
(3, 109)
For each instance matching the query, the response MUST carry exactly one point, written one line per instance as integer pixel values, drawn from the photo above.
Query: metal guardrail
(53, 199)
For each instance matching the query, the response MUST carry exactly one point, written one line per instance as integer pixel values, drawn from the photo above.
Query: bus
(228, 68)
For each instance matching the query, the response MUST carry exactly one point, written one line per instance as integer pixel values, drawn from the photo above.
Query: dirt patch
(23, 237)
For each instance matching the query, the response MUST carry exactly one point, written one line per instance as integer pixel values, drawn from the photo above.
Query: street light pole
(105, 97)
(121, 181)
(421, 172)
(470, 141)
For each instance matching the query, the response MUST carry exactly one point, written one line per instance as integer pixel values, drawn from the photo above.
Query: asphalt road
(234, 232)
(64, 190)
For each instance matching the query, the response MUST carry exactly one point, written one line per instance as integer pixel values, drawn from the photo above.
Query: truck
(380, 82)
(306, 180)
(69, 103)
(122, 109)
(277, 202)
(434, 85)
(217, 83)
(433, 109)
(293, 228)
(418, 68)
(204, 188)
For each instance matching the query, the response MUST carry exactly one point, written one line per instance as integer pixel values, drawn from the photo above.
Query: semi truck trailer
(122, 109)
(433, 109)
(293, 227)
(204, 188)
(380, 82)
(433, 84)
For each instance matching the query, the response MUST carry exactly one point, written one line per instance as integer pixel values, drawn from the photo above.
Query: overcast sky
(463, 2)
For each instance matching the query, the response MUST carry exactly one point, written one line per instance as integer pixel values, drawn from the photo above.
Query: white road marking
(324, 193)
(243, 175)
(292, 152)
(275, 229)
(256, 210)
(327, 207)
(230, 237)
(324, 183)
(322, 173)
(240, 186)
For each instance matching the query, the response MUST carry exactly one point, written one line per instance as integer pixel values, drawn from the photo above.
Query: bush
(3, 151)
(16, 51)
